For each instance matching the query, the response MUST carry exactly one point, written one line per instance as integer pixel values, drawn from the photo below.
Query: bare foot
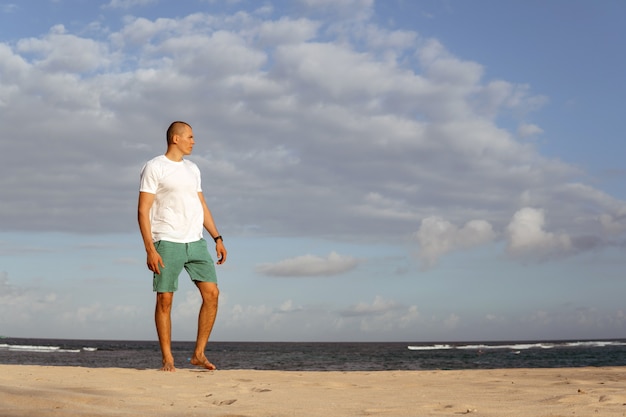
(203, 362)
(168, 367)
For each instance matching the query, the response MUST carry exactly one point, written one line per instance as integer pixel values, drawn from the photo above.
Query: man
(172, 213)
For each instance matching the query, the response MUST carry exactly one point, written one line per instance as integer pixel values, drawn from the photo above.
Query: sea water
(293, 356)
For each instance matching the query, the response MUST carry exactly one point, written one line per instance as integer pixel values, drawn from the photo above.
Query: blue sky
(380, 171)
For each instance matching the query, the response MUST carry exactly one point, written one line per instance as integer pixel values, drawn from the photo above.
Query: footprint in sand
(224, 402)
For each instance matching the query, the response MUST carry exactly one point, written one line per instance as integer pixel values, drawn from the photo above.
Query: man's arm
(143, 217)
(210, 227)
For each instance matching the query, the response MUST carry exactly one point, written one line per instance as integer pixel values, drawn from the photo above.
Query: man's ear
(175, 138)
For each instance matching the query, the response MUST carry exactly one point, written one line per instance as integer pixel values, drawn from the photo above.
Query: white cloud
(60, 52)
(436, 237)
(309, 265)
(612, 225)
(287, 30)
(528, 239)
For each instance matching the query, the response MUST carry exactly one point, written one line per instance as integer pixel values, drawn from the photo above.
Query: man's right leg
(165, 284)
(163, 320)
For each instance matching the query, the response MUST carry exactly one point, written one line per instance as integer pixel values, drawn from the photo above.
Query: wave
(431, 347)
(42, 349)
(519, 346)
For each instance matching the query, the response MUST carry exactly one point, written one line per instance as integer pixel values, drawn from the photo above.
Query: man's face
(185, 140)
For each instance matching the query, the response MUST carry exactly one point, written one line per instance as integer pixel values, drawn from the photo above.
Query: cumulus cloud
(613, 225)
(61, 52)
(525, 234)
(309, 265)
(285, 31)
(528, 238)
(437, 236)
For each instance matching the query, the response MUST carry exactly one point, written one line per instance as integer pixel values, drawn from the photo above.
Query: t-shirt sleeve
(148, 180)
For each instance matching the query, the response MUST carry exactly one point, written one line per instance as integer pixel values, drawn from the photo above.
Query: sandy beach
(73, 391)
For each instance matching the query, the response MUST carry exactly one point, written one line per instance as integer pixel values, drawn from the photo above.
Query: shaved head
(176, 128)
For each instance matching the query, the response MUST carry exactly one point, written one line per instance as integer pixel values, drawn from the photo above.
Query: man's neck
(172, 155)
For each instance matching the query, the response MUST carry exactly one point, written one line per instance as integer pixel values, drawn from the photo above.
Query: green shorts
(194, 257)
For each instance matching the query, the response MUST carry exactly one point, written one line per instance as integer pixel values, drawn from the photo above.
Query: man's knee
(164, 301)
(208, 290)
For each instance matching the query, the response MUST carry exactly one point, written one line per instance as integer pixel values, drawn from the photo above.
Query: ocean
(291, 356)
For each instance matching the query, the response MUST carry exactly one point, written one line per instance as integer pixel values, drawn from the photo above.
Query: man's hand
(221, 251)
(154, 262)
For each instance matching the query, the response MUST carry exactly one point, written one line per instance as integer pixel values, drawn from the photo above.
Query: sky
(393, 170)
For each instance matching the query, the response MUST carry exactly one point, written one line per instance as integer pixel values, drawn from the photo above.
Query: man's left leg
(206, 319)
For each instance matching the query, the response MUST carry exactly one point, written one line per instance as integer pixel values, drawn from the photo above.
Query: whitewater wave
(520, 346)
(42, 349)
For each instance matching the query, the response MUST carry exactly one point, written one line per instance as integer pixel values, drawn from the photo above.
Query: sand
(73, 391)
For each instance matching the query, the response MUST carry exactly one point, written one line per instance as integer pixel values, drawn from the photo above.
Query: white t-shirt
(176, 214)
